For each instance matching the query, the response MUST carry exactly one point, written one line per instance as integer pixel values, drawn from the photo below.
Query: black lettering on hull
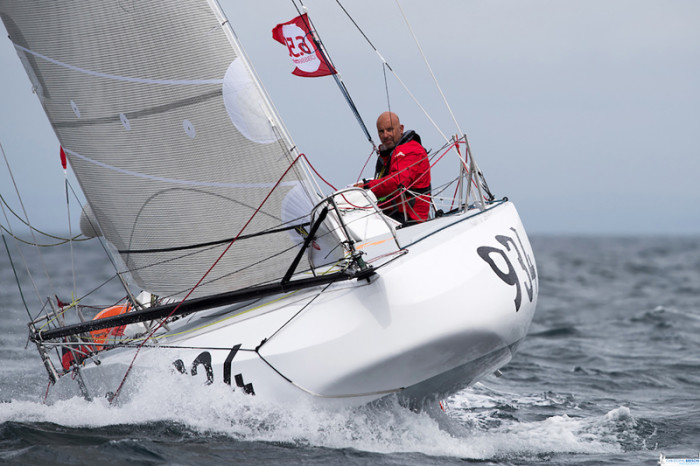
(510, 275)
(204, 360)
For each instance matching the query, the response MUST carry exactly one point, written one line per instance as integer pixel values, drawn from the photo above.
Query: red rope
(162, 322)
(365, 165)
(46, 395)
(398, 194)
(314, 169)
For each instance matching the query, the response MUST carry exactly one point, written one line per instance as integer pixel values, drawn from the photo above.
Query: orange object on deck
(100, 336)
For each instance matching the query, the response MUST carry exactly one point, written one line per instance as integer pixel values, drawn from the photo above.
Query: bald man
(402, 176)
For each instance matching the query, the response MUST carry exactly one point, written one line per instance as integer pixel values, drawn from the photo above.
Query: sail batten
(171, 137)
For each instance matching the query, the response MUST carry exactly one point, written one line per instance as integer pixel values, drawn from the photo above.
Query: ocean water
(610, 374)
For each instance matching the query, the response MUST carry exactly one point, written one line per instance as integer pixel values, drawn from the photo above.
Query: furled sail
(170, 136)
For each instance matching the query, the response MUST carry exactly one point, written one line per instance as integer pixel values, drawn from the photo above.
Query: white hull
(177, 147)
(429, 323)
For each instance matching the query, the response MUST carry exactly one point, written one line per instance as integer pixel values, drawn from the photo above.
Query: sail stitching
(178, 181)
(115, 77)
(141, 113)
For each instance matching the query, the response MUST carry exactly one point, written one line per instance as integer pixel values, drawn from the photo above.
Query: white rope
(425, 112)
(474, 171)
(425, 59)
(70, 237)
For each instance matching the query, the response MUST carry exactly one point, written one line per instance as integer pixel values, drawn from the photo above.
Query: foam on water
(468, 429)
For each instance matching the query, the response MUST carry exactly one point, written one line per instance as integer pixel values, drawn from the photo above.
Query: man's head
(389, 129)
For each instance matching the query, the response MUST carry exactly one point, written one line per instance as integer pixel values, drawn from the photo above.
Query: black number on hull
(510, 276)
(507, 241)
(247, 387)
(180, 366)
(227, 364)
(532, 272)
(204, 359)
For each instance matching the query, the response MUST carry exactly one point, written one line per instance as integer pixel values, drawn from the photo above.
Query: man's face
(389, 130)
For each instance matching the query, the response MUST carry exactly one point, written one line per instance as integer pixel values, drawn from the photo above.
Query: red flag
(64, 162)
(296, 35)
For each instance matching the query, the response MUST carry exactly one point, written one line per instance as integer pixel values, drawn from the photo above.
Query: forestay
(170, 136)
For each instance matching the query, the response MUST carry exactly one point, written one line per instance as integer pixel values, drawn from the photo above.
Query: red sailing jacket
(405, 189)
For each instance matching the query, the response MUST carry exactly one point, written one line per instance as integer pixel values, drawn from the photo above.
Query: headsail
(170, 136)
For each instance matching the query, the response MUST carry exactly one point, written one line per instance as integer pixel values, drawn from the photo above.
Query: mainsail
(170, 135)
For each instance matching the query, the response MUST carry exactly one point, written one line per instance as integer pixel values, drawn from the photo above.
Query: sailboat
(248, 273)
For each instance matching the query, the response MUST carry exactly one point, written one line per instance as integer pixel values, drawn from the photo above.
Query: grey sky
(585, 113)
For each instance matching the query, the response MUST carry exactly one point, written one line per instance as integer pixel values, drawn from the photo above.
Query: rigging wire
(386, 87)
(44, 245)
(211, 246)
(425, 59)
(483, 185)
(447, 105)
(26, 216)
(325, 56)
(385, 63)
(70, 227)
(115, 395)
(364, 166)
(12, 264)
(62, 240)
(108, 252)
(469, 154)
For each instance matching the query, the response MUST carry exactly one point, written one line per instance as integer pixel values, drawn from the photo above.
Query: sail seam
(141, 113)
(178, 181)
(120, 78)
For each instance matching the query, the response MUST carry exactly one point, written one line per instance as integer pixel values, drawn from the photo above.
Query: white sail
(170, 136)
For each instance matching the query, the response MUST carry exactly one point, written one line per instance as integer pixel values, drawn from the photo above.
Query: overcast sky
(585, 113)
